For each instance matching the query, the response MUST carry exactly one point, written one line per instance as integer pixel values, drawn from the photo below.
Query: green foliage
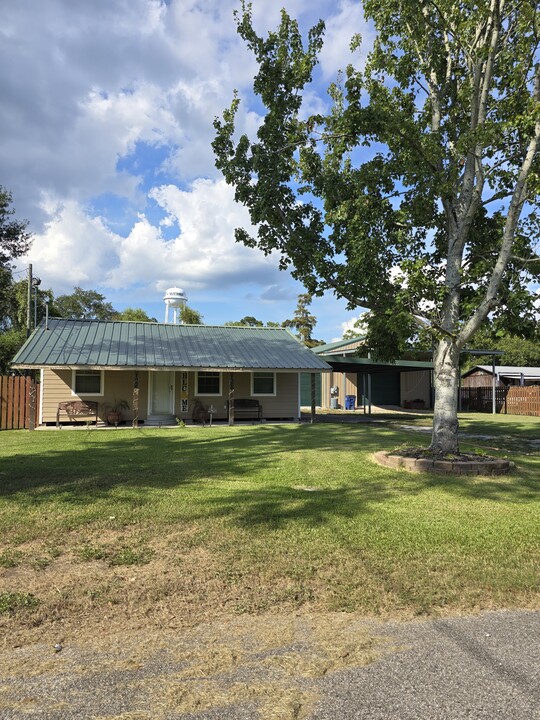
(84, 305)
(519, 351)
(115, 556)
(17, 298)
(359, 328)
(90, 553)
(116, 406)
(14, 242)
(134, 315)
(363, 228)
(416, 195)
(10, 342)
(127, 555)
(516, 350)
(303, 321)
(11, 602)
(189, 316)
(14, 238)
(10, 558)
(248, 321)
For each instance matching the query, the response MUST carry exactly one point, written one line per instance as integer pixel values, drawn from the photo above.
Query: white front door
(162, 384)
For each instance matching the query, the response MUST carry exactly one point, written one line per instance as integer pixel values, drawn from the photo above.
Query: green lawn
(517, 426)
(199, 522)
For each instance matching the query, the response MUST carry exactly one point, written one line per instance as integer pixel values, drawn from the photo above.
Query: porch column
(313, 400)
(364, 391)
(136, 400)
(32, 402)
(231, 398)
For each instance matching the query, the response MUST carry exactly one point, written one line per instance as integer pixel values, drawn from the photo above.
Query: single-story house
(405, 383)
(505, 376)
(163, 371)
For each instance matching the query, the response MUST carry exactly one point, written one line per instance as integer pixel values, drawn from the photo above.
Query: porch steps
(160, 420)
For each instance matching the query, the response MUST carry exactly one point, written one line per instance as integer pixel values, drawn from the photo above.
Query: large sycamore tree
(415, 194)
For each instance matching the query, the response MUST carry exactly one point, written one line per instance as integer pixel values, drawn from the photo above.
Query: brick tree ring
(468, 464)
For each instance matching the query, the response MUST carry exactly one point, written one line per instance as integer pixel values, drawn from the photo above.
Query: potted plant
(113, 411)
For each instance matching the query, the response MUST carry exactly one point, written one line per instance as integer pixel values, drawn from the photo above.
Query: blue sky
(106, 124)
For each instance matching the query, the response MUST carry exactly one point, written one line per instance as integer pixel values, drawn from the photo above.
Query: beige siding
(117, 384)
(353, 345)
(283, 405)
(346, 384)
(56, 389)
(416, 386)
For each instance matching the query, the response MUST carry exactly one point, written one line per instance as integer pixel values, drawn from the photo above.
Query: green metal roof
(367, 365)
(113, 344)
(329, 347)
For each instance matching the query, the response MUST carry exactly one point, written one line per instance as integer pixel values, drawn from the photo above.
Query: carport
(375, 380)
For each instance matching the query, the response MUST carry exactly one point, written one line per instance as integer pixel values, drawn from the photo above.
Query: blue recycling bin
(350, 402)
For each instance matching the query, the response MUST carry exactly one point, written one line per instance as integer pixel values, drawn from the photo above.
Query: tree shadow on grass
(260, 475)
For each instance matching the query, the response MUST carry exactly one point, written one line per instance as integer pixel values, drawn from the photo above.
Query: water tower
(175, 298)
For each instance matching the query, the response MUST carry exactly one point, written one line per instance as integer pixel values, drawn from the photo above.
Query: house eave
(171, 368)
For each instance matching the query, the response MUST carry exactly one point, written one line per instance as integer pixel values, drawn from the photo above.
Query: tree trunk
(446, 380)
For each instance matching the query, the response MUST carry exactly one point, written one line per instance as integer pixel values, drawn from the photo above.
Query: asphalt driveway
(481, 667)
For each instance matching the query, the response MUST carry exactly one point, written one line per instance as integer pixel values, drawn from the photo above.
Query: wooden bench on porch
(246, 408)
(78, 410)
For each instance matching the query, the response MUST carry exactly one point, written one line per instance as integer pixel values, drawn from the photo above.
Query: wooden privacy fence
(19, 403)
(513, 400)
(523, 400)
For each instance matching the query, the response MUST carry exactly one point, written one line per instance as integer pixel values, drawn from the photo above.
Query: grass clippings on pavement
(270, 663)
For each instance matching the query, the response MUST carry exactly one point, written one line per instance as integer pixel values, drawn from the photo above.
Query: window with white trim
(263, 383)
(87, 382)
(208, 383)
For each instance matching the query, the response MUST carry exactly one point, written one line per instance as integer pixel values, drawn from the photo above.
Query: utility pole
(29, 301)
(36, 282)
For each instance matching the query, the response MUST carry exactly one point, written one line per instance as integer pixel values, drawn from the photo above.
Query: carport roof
(367, 365)
(113, 344)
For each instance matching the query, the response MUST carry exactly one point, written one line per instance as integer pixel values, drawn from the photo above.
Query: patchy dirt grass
(241, 568)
